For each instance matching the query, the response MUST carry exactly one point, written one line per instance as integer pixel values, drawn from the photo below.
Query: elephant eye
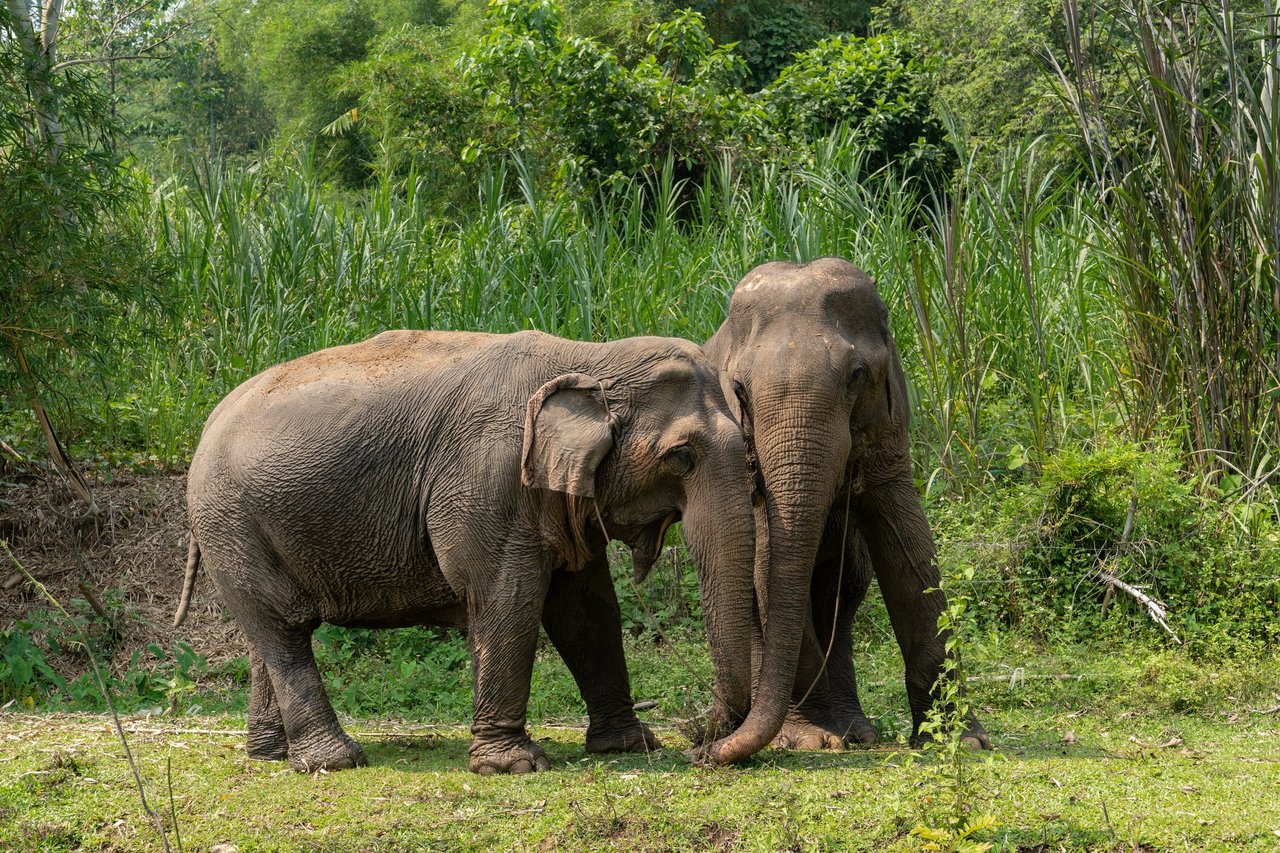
(856, 376)
(679, 460)
(740, 391)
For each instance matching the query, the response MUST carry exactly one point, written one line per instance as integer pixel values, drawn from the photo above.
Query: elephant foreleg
(843, 587)
(582, 619)
(810, 722)
(503, 636)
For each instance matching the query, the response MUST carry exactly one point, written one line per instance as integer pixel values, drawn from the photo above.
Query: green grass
(1137, 750)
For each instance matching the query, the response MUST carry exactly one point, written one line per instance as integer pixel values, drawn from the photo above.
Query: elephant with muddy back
(450, 478)
(809, 367)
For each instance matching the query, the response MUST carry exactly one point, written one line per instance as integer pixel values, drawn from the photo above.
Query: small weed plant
(949, 820)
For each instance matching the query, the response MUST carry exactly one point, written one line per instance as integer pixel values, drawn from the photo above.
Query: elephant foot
(632, 736)
(332, 751)
(861, 732)
(803, 734)
(974, 737)
(522, 756)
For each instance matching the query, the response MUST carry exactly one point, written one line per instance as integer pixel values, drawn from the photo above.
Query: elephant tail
(188, 579)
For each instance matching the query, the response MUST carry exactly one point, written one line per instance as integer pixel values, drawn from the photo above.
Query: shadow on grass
(447, 752)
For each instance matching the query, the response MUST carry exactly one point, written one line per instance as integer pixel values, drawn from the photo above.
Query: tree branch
(1154, 608)
(142, 53)
(90, 60)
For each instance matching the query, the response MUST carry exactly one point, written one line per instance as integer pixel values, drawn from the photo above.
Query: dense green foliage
(990, 59)
(65, 263)
(683, 99)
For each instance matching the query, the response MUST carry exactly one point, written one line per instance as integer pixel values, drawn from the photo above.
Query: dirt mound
(128, 564)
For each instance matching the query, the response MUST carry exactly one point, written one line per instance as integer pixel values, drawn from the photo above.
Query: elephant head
(646, 440)
(806, 359)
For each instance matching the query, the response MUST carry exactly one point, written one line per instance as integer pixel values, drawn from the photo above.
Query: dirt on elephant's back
(128, 563)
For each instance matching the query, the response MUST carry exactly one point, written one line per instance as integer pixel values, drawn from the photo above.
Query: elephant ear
(567, 434)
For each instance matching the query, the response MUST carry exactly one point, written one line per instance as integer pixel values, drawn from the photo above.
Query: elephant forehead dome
(781, 279)
(827, 286)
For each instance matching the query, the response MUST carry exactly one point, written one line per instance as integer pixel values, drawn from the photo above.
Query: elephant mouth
(647, 544)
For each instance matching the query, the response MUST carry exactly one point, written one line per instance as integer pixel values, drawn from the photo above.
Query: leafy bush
(877, 87)
(989, 58)
(769, 34)
(667, 603)
(685, 98)
(414, 115)
(419, 672)
(25, 674)
(65, 266)
(1038, 549)
(775, 37)
(36, 648)
(556, 92)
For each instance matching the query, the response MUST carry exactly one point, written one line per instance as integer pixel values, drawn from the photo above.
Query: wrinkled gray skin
(437, 478)
(811, 372)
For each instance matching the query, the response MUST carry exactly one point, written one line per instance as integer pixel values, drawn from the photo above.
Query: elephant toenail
(524, 765)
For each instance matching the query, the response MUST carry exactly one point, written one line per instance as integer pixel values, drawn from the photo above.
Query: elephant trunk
(718, 528)
(801, 472)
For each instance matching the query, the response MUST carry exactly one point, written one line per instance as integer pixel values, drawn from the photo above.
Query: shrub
(775, 37)
(415, 115)
(989, 58)
(1038, 548)
(555, 92)
(685, 100)
(66, 267)
(878, 87)
(421, 672)
(25, 674)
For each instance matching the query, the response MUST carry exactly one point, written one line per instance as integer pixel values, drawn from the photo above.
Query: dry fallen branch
(1154, 608)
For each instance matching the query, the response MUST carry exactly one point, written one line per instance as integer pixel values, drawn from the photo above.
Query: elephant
(459, 478)
(811, 372)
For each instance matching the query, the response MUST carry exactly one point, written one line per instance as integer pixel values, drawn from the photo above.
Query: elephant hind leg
(278, 617)
(267, 740)
(315, 739)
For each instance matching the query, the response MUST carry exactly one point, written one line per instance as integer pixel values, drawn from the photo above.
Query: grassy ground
(1106, 751)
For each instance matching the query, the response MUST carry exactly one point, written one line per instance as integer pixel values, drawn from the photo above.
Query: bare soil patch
(129, 562)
